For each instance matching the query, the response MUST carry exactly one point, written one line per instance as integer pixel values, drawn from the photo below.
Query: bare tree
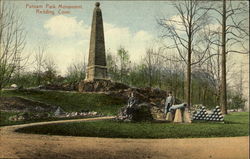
(233, 33)
(184, 30)
(152, 63)
(76, 70)
(50, 70)
(12, 42)
(39, 61)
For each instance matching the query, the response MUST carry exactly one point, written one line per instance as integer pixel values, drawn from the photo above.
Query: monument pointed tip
(97, 4)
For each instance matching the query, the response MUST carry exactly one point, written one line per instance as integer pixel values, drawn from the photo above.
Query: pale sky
(131, 24)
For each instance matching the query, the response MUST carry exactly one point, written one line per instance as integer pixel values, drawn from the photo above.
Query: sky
(130, 24)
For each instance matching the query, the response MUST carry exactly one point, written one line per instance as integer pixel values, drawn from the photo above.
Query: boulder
(13, 86)
(136, 113)
(157, 113)
(59, 111)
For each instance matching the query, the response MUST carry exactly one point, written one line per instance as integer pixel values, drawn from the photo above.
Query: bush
(236, 102)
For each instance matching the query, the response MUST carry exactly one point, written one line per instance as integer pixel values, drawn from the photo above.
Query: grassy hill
(72, 101)
(68, 101)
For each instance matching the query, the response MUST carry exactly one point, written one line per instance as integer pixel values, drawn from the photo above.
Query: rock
(59, 111)
(20, 118)
(63, 86)
(39, 109)
(101, 86)
(13, 86)
(136, 113)
(13, 118)
(157, 113)
(26, 116)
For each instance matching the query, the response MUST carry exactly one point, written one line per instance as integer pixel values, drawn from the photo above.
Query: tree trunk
(223, 101)
(219, 78)
(204, 95)
(188, 87)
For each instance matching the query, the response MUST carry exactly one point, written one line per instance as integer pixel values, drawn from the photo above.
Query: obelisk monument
(97, 68)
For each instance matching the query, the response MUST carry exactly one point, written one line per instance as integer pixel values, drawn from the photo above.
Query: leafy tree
(236, 102)
(123, 58)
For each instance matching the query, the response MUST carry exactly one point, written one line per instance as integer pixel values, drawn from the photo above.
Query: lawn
(72, 101)
(236, 124)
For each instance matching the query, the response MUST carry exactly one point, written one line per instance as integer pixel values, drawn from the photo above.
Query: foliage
(30, 79)
(25, 79)
(76, 72)
(236, 102)
(168, 76)
(114, 129)
(123, 62)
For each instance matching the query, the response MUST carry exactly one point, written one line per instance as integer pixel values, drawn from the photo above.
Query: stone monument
(97, 68)
(97, 75)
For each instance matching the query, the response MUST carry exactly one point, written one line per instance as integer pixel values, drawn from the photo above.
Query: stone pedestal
(96, 72)
(178, 116)
(186, 117)
(169, 117)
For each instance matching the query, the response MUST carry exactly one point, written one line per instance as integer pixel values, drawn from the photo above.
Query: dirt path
(19, 145)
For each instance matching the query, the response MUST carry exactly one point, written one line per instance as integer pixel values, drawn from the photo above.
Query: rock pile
(152, 96)
(141, 112)
(136, 113)
(63, 86)
(80, 114)
(29, 116)
(101, 86)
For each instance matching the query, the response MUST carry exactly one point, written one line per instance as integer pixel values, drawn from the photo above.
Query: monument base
(100, 85)
(96, 72)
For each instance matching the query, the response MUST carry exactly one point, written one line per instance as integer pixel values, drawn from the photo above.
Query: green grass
(236, 124)
(73, 101)
(68, 101)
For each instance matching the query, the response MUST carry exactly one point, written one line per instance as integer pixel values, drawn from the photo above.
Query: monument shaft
(97, 68)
